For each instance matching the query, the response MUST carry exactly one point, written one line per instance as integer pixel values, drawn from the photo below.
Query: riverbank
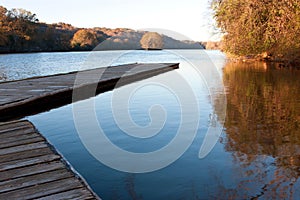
(279, 63)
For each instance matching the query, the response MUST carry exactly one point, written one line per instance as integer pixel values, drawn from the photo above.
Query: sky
(190, 18)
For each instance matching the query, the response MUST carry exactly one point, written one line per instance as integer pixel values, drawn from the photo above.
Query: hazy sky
(187, 17)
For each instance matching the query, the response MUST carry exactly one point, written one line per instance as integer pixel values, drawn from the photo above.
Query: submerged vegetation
(267, 29)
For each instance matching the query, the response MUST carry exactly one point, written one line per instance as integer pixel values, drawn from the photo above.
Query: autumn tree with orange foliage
(3, 19)
(152, 40)
(269, 28)
(21, 31)
(84, 39)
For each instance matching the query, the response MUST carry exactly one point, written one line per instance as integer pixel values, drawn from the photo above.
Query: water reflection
(257, 157)
(263, 129)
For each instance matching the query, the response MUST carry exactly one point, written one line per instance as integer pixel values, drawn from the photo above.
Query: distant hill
(20, 31)
(130, 39)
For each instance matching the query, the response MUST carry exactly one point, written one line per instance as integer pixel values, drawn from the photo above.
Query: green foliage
(253, 27)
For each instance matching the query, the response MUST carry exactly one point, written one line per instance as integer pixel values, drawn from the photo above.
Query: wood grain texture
(30, 168)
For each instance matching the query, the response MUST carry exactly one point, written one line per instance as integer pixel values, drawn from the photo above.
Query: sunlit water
(20, 66)
(257, 154)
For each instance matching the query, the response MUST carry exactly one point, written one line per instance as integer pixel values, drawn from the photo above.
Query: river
(246, 116)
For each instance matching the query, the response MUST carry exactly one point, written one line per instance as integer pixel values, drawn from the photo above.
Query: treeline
(266, 29)
(21, 31)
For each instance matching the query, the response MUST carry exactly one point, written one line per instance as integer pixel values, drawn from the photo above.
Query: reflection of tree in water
(263, 129)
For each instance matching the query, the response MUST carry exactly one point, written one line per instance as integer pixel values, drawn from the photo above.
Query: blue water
(188, 177)
(227, 172)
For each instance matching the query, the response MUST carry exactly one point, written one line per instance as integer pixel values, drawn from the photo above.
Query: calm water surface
(20, 66)
(257, 155)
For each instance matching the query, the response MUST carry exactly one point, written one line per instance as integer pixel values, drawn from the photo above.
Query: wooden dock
(31, 169)
(29, 96)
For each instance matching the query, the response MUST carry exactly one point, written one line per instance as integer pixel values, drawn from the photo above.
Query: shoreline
(276, 63)
(70, 51)
(281, 63)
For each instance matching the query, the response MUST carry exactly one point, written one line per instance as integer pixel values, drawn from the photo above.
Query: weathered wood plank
(28, 161)
(44, 189)
(8, 125)
(14, 132)
(13, 138)
(77, 194)
(21, 142)
(25, 154)
(25, 147)
(30, 170)
(27, 181)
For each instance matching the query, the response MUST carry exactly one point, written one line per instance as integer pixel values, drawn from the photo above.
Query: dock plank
(11, 125)
(30, 168)
(23, 148)
(25, 154)
(21, 142)
(13, 132)
(44, 189)
(76, 194)
(29, 96)
(12, 139)
(27, 181)
(28, 161)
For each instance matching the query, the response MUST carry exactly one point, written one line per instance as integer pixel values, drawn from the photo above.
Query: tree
(151, 40)
(3, 17)
(3, 24)
(266, 27)
(22, 14)
(84, 39)
(19, 27)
